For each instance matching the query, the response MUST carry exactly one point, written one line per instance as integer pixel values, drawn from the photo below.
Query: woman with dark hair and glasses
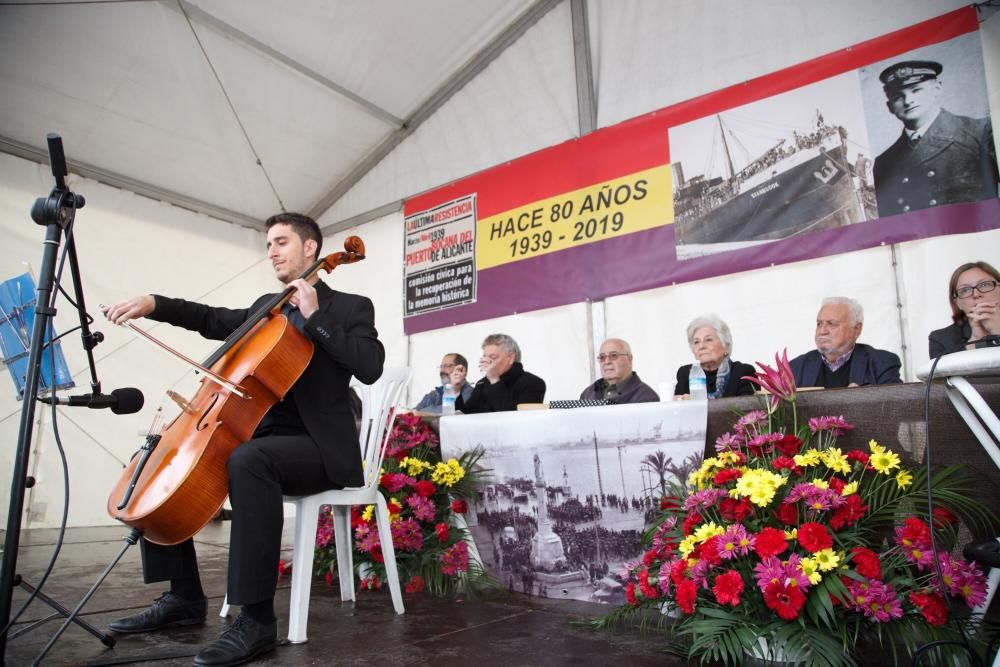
(975, 309)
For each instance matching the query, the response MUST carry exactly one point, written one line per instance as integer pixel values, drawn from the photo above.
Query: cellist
(305, 444)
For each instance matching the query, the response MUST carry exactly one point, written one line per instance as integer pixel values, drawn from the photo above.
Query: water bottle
(697, 384)
(448, 400)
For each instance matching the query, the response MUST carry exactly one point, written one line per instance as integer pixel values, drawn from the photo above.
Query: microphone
(121, 401)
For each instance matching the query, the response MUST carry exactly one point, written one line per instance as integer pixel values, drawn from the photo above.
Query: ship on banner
(788, 172)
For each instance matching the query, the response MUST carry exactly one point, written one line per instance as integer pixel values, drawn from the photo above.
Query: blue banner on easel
(17, 316)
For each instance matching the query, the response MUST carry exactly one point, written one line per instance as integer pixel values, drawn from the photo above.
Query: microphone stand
(56, 213)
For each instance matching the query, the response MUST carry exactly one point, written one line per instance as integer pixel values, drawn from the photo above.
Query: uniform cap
(908, 73)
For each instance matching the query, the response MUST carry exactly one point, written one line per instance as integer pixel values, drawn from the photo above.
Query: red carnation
(735, 510)
(770, 542)
(915, 533)
(837, 484)
(459, 506)
(943, 518)
(847, 514)
(647, 589)
(692, 520)
(650, 557)
(670, 502)
(866, 562)
(932, 607)
(687, 593)
(787, 514)
(328, 578)
(630, 594)
(858, 456)
(786, 463)
(677, 571)
(814, 537)
(789, 445)
(784, 600)
(425, 488)
(727, 475)
(728, 587)
(441, 530)
(415, 584)
(284, 567)
(708, 551)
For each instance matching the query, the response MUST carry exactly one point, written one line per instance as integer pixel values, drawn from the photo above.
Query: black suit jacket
(868, 366)
(954, 161)
(514, 387)
(345, 343)
(950, 339)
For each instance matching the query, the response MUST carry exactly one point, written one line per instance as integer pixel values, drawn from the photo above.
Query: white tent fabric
(131, 91)
(128, 88)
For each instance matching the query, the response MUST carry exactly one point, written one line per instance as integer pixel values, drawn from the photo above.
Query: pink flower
(423, 508)
(837, 426)
(366, 538)
(728, 442)
(779, 381)
(407, 535)
(768, 570)
(750, 421)
(394, 481)
(456, 559)
(736, 541)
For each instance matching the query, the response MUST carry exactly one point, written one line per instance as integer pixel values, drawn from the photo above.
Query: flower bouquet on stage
(785, 547)
(424, 494)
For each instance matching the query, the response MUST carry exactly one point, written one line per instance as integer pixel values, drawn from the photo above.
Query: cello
(177, 481)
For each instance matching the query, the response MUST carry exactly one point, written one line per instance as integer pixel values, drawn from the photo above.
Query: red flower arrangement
(783, 536)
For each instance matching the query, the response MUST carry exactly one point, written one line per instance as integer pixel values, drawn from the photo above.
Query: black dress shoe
(168, 609)
(242, 641)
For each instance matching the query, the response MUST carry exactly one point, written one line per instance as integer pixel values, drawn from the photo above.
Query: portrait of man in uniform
(939, 157)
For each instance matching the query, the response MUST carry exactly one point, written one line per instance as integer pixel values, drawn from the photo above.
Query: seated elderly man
(506, 384)
(618, 383)
(452, 371)
(839, 360)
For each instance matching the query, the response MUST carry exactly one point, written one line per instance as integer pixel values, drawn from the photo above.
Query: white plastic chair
(379, 403)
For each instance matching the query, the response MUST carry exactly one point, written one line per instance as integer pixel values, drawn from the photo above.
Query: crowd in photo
(838, 359)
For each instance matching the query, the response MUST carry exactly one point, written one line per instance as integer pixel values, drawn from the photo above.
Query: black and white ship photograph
(786, 165)
(568, 500)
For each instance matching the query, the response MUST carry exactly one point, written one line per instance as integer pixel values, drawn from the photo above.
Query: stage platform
(510, 631)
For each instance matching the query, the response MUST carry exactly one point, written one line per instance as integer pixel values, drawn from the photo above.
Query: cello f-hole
(202, 425)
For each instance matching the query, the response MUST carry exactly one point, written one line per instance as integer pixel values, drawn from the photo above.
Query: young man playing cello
(305, 444)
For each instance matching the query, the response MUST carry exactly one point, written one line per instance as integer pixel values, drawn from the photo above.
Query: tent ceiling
(180, 98)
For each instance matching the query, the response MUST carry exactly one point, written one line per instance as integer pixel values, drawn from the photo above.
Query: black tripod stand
(56, 212)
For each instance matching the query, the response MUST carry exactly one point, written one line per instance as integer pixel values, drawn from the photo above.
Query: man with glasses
(618, 383)
(505, 384)
(452, 371)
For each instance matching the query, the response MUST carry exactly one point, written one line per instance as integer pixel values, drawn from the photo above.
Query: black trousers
(261, 471)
